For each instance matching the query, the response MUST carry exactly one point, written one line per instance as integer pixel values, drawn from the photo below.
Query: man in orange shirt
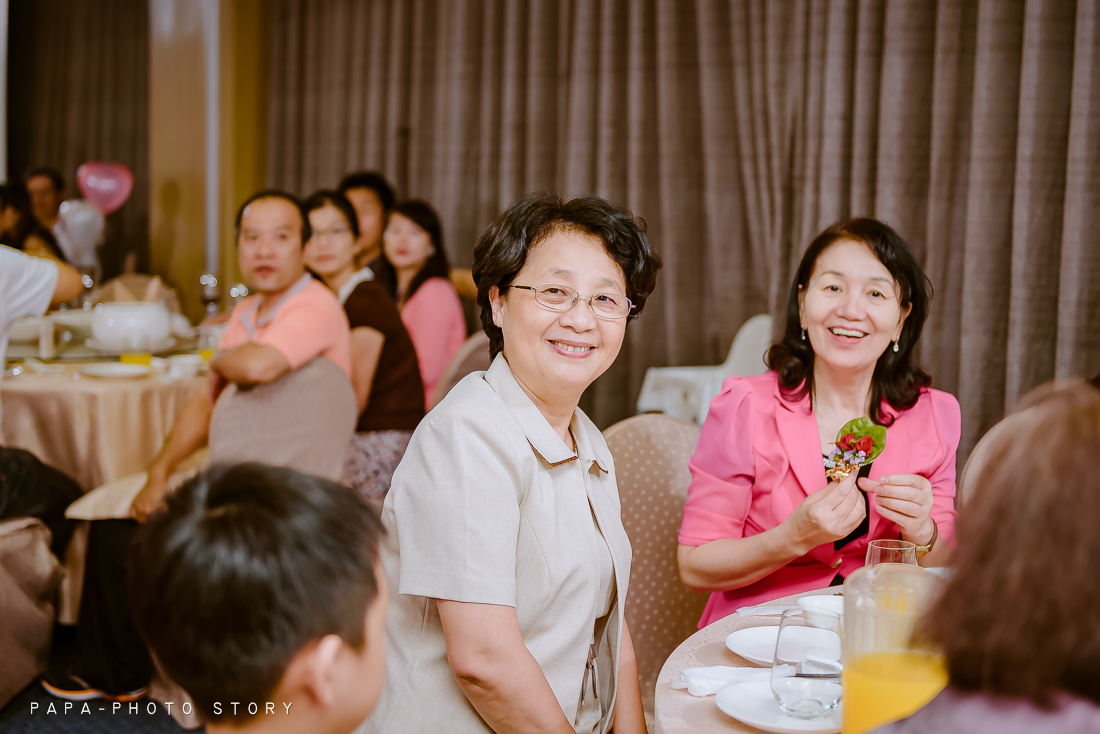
(291, 320)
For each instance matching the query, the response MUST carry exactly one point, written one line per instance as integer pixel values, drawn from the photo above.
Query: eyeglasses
(563, 298)
(337, 231)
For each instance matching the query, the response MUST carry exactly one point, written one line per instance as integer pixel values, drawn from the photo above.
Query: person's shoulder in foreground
(956, 712)
(258, 590)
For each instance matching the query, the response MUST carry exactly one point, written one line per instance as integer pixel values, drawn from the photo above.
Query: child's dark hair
(247, 565)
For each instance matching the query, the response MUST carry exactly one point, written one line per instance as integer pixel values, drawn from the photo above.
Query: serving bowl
(821, 611)
(131, 322)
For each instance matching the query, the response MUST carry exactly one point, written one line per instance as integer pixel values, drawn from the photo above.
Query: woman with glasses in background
(385, 373)
(505, 545)
(415, 271)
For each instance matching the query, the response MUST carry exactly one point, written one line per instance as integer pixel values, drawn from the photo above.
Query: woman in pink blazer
(414, 269)
(761, 519)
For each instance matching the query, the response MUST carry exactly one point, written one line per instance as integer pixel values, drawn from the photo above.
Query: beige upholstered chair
(651, 455)
(472, 357)
(303, 420)
(29, 576)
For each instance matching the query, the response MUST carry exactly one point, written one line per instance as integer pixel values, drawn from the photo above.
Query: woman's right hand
(828, 514)
(150, 498)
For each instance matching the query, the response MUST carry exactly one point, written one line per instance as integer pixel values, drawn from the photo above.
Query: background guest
(761, 521)
(1018, 630)
(20, 229)
(415, 271)
(29, 286)
(384, 370)
(273, 337)
(507, 552)
(46, 188)
(261, 584)
(373, 198)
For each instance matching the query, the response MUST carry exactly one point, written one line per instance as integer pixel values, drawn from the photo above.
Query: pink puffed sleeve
(947, 417)
(722, 469)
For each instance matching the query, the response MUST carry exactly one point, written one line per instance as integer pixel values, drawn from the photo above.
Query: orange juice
(136, 358)
(881, 687)
(207, 354)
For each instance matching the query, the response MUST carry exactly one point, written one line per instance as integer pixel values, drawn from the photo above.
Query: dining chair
(651, 455)
(29, 577)
(473, 356)
(686, 392)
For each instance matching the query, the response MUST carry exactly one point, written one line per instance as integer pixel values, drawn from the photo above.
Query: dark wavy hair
(897, 378)
(502, 250)
(16, 197)
(422, 215)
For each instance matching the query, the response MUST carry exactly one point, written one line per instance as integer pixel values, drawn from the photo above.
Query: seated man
(271, 338)
(260, 592)
(291, 319)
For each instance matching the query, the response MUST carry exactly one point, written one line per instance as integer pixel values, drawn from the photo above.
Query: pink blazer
(437, 327)
(759, 455)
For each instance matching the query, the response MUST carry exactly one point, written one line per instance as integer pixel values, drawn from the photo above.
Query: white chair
(686, 392)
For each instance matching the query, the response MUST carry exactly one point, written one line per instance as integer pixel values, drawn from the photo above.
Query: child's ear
(311, 670)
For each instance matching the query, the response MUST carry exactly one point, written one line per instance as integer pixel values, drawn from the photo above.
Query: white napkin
(764, 610)
(709, 680)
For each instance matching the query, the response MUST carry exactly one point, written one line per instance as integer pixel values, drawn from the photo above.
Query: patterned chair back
(651, 465)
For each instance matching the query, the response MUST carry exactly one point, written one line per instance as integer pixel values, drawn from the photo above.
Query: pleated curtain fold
(739, 129)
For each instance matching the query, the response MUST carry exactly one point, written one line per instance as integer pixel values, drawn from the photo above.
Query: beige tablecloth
(95, 430)
(677, 711)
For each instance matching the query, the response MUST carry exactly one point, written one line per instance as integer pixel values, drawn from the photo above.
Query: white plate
(160, 345)
(753, 703)
(116, 369)
(758, 643)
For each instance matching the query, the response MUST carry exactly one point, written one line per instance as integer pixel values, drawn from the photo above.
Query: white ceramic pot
(131, 322)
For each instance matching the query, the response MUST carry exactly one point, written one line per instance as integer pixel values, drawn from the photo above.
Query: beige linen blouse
(490, 506)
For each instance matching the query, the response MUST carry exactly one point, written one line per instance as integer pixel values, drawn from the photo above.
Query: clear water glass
(891, 551)
(806, 674)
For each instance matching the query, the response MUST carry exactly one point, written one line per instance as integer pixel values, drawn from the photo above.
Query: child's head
(259, 584)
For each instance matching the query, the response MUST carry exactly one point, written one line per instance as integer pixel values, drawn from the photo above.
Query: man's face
(269, 249)
(45, 199)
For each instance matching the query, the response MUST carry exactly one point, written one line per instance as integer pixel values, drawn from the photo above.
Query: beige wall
(177, 134)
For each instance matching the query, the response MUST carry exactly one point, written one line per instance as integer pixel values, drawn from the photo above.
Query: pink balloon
(107, 185)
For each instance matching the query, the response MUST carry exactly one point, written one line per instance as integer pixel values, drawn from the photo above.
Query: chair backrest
(303, 420)
(746, 357)
(473, 356)
(651, 455)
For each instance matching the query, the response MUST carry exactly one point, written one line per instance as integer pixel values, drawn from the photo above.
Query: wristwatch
(923, 550)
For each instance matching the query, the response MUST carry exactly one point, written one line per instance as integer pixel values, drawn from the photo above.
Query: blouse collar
(363, 274)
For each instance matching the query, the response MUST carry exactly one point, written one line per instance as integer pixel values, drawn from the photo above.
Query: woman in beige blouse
(506, 549)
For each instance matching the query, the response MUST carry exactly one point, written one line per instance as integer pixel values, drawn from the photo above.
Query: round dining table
(94, 429)
(678, 712)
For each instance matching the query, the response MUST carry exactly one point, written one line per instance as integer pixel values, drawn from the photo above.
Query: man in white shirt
(29, 286)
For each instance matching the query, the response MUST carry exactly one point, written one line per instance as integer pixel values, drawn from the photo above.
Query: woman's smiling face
(851, 307)
(557, 354)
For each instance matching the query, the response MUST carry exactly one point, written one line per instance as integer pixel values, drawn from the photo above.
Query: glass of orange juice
(136, 358)
(887, 674)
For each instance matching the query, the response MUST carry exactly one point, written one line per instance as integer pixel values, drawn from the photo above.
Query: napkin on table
(765, 610)
(707, 681)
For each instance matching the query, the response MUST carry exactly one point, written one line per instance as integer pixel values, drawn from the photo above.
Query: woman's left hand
(905, 499)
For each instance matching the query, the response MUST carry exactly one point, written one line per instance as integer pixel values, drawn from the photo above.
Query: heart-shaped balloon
(107, 185)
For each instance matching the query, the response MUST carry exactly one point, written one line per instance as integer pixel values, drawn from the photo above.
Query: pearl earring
(895, 345)
(803, 335)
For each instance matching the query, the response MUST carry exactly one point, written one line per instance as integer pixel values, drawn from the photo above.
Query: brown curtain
(78, 90)
(738, 130)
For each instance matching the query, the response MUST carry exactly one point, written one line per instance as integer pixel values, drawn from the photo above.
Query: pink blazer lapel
(798, 432)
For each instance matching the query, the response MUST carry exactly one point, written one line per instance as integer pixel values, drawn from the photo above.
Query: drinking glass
(806, 676)
(891, 551)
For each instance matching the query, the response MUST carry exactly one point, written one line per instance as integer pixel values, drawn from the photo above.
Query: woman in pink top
(761, 520)
(414, 269)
